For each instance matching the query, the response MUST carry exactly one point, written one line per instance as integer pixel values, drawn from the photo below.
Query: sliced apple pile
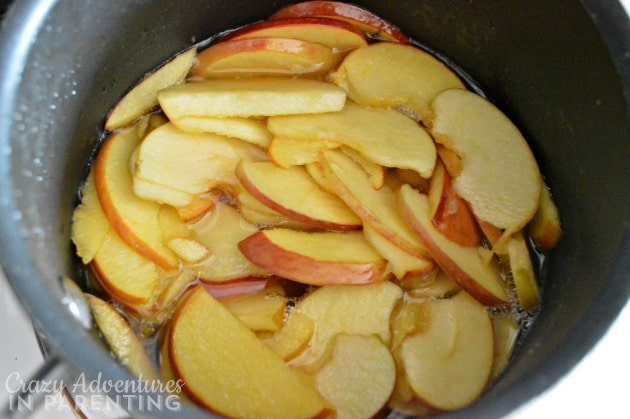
(316, 216)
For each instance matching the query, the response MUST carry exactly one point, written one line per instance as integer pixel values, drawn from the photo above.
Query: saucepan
(560, 70)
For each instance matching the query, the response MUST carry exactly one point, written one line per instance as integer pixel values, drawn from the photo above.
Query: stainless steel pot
(560, 70)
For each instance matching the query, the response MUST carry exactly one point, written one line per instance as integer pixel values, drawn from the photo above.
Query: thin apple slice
(287, 152)
(317, 173)
(239, 286)
(393, 75)
(308, 203)
(261, 311)
(89, 223)
(506, 332)
(261, 215)
(372, 132)
(173, 287)
(544, 229)
(348, 309)
(188, 250)
(121, 339)
(359, 377)
(221, 231)
(143, 97)
(435, 284)
(200, 206)
(251, 97)
(402, 264)
(136, 220)
(319, 258)
(375, 172)
(264, 56)
(245, 129)
(523, 272)
(463, 264)
(449, 364)
(449, 213)
(500, 178)
(409, 317)
(293, 337)
(368, 22)
(332, 33)
(378, 208)
(227, 369)
(190, 163)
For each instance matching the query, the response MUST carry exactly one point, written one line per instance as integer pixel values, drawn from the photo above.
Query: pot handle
(30, 398)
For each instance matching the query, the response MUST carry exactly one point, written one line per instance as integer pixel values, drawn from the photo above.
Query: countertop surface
(596, 387)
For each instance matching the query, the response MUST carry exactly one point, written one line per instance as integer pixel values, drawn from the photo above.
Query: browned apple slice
(293, 337)
(371, 132)
(89, 223)
(359, 376)
(499, 178)
(136, 220)
(306, 202)
(286, 152)
(463, 264)
(264, 56)
(506, 332)
(220, 232)
(449, 213)
(448, 364)
(190, 163)
(402, 264)
(378, 208)
(393, 75)
(200, 206)
(348, 309)
(121, 339)
(523, 272)
(245, 129)
(260, 311)
(143, 97)
(545, 228)
(335, 34)
(319, 258)
(365, 20)
(227, 369)
(251, 97)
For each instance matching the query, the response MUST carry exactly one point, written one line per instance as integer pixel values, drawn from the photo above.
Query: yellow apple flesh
(89, 223)
(246, 129)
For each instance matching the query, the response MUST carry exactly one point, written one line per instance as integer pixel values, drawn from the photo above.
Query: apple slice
(191, 163)
(319, 258)
(402, 264)
(401, 176)
(264, 56)
(317, 173)
(227, 369)
(261, 215)
(359, 376)
(200, 206)
(293, 337)
(245, 129)
(369, 131)
(173, 287)
(89, 223)
(239, 286)
(136, 220)
(188, 250)
(523, 272)
(463, 264)
(409, 317)
(378, 208)
(251, 97)
(286, 152)
(375, 172)
(121, 339)
(506, 332)
(332, 33)
(159, 193)
(368, 22)
(348, 309)
(260, 311)
(432, 285)
(307, 202)
(220, 232)
(500, 178)
(449, 213)
(545, 228)
(448, 364)
(393, 75)
(143, 97)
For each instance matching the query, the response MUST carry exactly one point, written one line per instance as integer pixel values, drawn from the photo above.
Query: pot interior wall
(542, 62)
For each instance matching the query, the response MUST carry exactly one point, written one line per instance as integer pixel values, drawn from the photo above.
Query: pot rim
(19, 28)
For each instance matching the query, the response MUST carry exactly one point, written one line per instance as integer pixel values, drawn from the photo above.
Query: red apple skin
(289, 213)
(242, 286)
(362, 18)
(452, 216)
(322, 22)
(269, 256)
